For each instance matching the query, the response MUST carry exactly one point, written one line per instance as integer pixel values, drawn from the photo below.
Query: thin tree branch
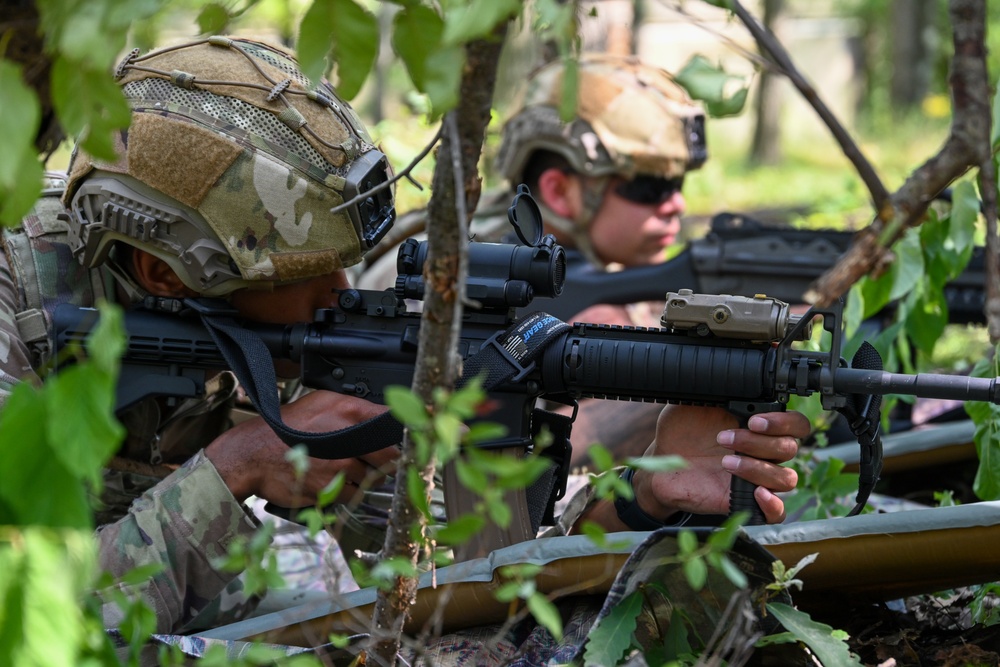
(967, 146)
(403, 174)
(767, 43)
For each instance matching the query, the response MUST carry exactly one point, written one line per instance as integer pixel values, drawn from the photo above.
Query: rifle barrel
(955, 387)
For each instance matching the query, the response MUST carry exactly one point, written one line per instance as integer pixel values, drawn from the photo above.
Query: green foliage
(340, 32)
(521, 584)
(62, 432)
(983, 607)
(713, 86)
(828, 645)
(87, 37)
(20, 116)
(252, 557)
(613, 635)
(986, 417)
(824, 489)
(44, 576)
(429, 39)
(785, 579)
(385, 573)
(608, 641)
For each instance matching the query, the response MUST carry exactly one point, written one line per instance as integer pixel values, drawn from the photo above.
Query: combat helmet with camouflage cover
(630, 119)
(230, 171)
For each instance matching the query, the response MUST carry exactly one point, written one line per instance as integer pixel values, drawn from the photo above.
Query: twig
(768, 43)
(755, 58)
(967, 146)
(403, 174)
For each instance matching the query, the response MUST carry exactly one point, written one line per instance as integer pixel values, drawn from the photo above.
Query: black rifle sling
(251, 362)
(505, 357)
(863, 415)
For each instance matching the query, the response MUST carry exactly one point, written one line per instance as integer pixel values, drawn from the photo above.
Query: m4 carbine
(741, 353)
(740, 255)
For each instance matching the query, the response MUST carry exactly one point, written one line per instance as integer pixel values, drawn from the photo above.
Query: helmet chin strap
(594, 188)
(136, 293)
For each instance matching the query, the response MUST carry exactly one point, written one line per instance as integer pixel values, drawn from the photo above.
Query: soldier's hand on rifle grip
(767, 440)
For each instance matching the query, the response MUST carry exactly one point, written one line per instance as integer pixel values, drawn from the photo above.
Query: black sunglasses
(649, 189)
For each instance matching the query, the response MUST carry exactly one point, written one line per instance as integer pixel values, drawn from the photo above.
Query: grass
(814, 175)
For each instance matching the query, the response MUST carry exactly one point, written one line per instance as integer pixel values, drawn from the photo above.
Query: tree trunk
(766, 146)
(909, 21)
(456, 188)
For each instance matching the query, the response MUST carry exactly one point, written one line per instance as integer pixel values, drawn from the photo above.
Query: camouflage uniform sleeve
(183, 523)
(15, 361)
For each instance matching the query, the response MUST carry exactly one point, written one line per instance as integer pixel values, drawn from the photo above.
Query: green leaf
(710, 85)
(477, 19)
(964, 215)
(443, 79)
(484, 432)
(26, 456)
(696, 573)
(43, 576)
(546, 614)
(20, 169)
(607, 643)
(416, 34)
(508, 591)
(341, 32)
(995, 128)
(448, 428)
(732, 572)
(601, 458)
(417, 491)
(830, 651)
(212, 19)
(676, 644)
(569, 95)
(90, 104)
(465, 401)
(500, 513)
(686, 542)
(471, 475)
(407, 407)
(658, 463)
(458, 531)
(926, 322)
(329, 493)
(986, 416)
(875, 292)
(908, 268)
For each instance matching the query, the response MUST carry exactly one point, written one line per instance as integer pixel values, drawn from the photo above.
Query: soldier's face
(288, 304)
(636, 233)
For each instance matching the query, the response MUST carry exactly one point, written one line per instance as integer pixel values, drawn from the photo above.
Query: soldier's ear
(156, 277)
(560, 192)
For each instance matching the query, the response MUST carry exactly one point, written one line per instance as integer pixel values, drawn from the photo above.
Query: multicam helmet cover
(631, 118)
(230, 169)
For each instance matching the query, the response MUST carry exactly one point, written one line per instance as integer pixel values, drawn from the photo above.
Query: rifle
(718, 350)
(740, 255)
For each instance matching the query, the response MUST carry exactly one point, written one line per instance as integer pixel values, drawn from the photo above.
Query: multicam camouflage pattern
(37, 273)
(183, 523)
(257, 170)
(630, 119)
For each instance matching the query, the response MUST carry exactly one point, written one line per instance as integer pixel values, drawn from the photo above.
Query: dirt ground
(925, 631)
